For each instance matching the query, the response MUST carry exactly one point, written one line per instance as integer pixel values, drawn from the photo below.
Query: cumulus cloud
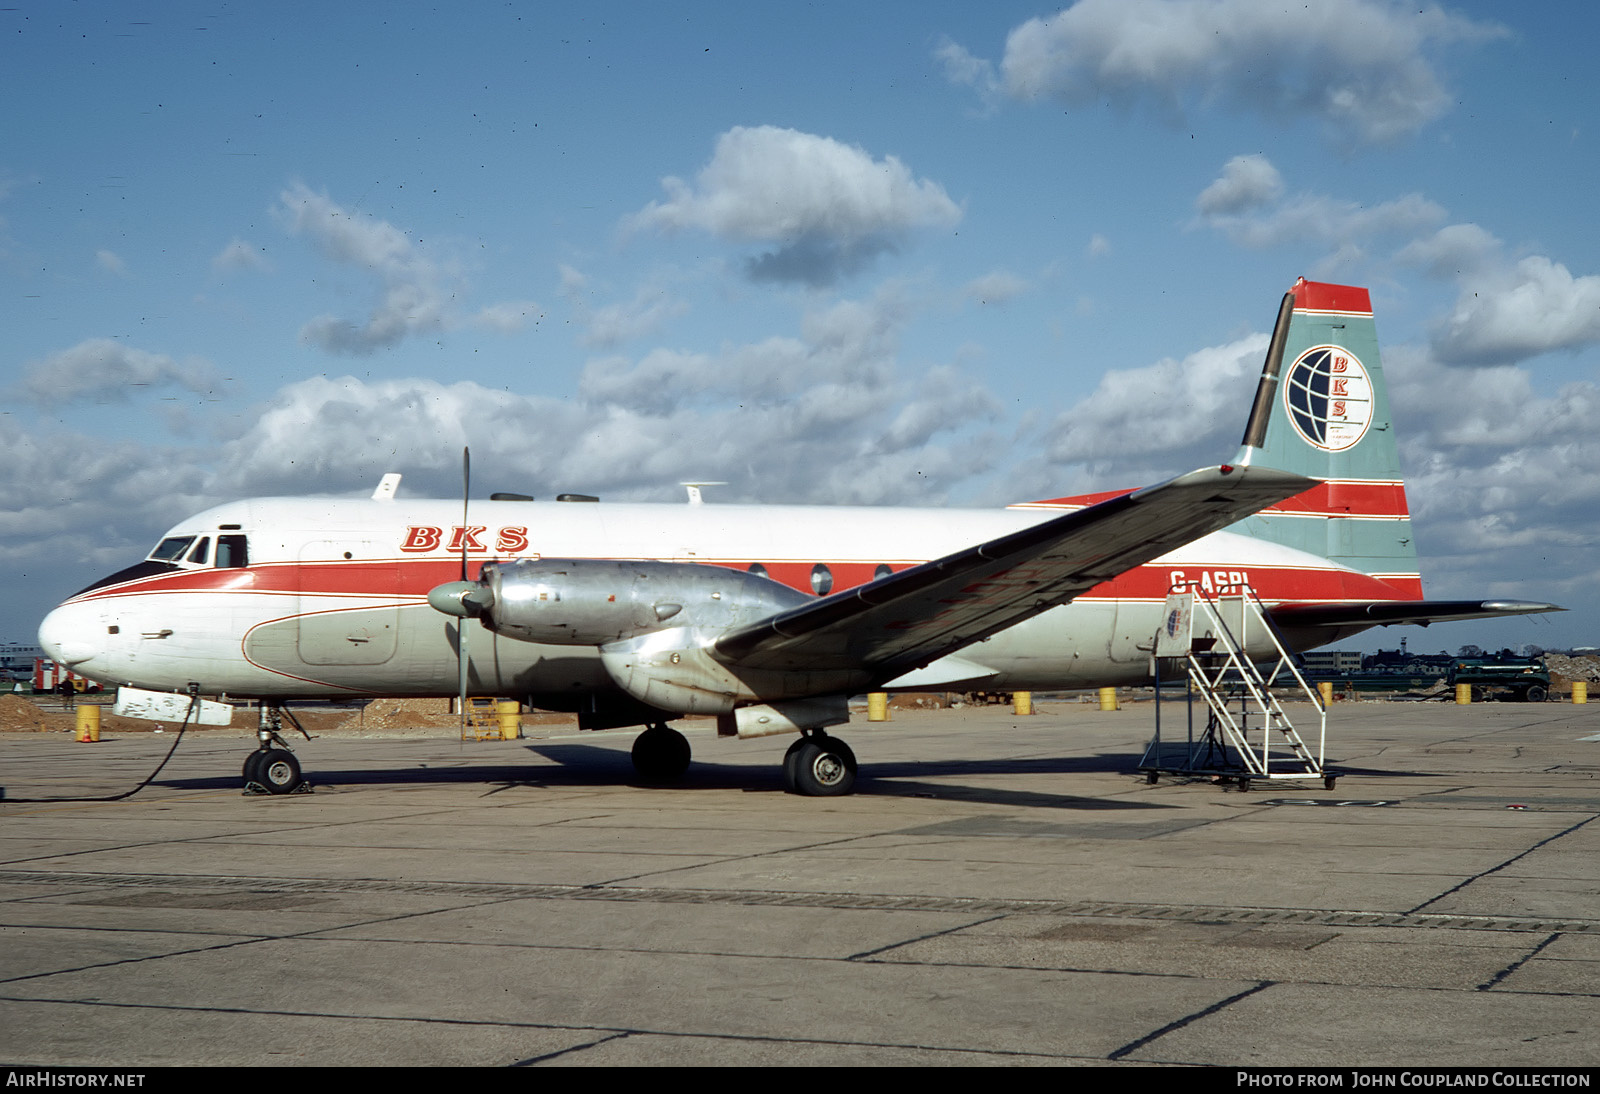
(509, 316)
(111, 263)
(239, 257)
(1535, 306)
(1507, 309)
(612, 324)
(1163, 418)
(75, 507)
(1499, 477)
(1453, 250)
(1247, 203)
(1246, 182)
(995, 287)
(829, 208)
(416, 295)
(825, 415)
(103, 370)
(1364, 68)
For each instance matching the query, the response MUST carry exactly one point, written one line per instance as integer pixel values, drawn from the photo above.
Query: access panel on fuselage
(338, 622)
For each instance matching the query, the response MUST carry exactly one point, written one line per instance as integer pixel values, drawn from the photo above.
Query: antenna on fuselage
(387, 486)
(694, 490)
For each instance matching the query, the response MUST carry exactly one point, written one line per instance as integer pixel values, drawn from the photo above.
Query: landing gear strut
(819, 766)
(661, 754)
(272, 768)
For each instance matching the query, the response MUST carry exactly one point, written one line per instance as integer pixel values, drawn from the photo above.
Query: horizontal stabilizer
(1390, 613)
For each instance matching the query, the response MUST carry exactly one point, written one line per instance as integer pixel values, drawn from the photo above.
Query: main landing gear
(660, 754)
(819, 766)
(272, 768)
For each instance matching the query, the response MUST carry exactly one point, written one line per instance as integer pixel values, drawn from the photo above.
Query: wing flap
(914, 617)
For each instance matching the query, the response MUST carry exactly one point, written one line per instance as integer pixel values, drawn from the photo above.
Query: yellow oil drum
(88, 722)
(1022, 702)
(1325, 689)
(1463, 694)
(1580, 691)
(509, 713)
(878, 706)
(1108, 699)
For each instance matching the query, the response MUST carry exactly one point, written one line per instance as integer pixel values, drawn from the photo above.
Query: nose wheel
(272, 768)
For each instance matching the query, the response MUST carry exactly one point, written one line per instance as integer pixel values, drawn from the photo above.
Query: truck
(1527, 679)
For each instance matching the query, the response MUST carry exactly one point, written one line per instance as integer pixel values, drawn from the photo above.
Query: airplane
(770, 617)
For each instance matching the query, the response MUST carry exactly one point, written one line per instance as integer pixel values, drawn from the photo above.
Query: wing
(909, 619)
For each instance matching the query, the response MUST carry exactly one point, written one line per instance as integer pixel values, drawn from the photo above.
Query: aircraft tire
(278, 771)
(660, 755)
(252, 766)
(1535, 694)
(820, 767)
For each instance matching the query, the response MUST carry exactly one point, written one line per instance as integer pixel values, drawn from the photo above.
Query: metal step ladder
(1248, 734)
(482, 722)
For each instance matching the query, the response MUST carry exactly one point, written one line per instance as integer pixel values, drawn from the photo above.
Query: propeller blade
(466, 487)
(466, 621)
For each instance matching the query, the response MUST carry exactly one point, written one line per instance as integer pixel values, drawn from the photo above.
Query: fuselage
(284, 598)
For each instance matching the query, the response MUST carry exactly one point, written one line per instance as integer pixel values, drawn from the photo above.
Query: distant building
(16, 660)
(1325, 662)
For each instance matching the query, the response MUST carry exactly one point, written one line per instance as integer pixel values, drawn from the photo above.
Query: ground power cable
(194, 705)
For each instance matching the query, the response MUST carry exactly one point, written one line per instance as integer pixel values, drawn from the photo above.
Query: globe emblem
(1329, 398)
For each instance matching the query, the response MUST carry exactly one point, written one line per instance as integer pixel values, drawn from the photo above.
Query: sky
(925, 253)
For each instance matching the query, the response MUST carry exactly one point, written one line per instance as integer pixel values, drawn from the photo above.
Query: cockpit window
(202, 551)
(171, 549)
(232, 551)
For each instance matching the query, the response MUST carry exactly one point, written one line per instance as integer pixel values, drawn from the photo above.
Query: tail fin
(1322, 410)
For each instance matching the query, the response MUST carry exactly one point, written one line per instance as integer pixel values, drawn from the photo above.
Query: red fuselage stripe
(411, 578)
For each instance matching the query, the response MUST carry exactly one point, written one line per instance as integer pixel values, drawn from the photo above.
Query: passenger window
(201, 552)
(232, 551)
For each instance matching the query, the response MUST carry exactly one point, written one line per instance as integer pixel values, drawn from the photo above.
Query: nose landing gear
(272, 768)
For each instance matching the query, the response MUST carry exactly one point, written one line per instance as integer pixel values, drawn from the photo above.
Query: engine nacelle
(590, 602)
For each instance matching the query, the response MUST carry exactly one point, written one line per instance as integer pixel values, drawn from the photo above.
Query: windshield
(170, 550)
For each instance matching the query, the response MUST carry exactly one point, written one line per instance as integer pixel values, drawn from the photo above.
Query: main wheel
(660, 755)
(1535, 694)
(820, 767)
(278, 771)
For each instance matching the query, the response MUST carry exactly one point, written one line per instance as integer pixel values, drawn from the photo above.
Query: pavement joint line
(611, 1032)
(1501, 866)
(1188, 1019)
(858, 901)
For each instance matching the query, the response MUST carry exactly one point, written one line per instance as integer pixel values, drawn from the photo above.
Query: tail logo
(1329, 398)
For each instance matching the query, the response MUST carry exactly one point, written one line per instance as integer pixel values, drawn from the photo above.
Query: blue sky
(878, 254)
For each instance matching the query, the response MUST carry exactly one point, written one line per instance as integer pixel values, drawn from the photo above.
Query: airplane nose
(67, 636)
